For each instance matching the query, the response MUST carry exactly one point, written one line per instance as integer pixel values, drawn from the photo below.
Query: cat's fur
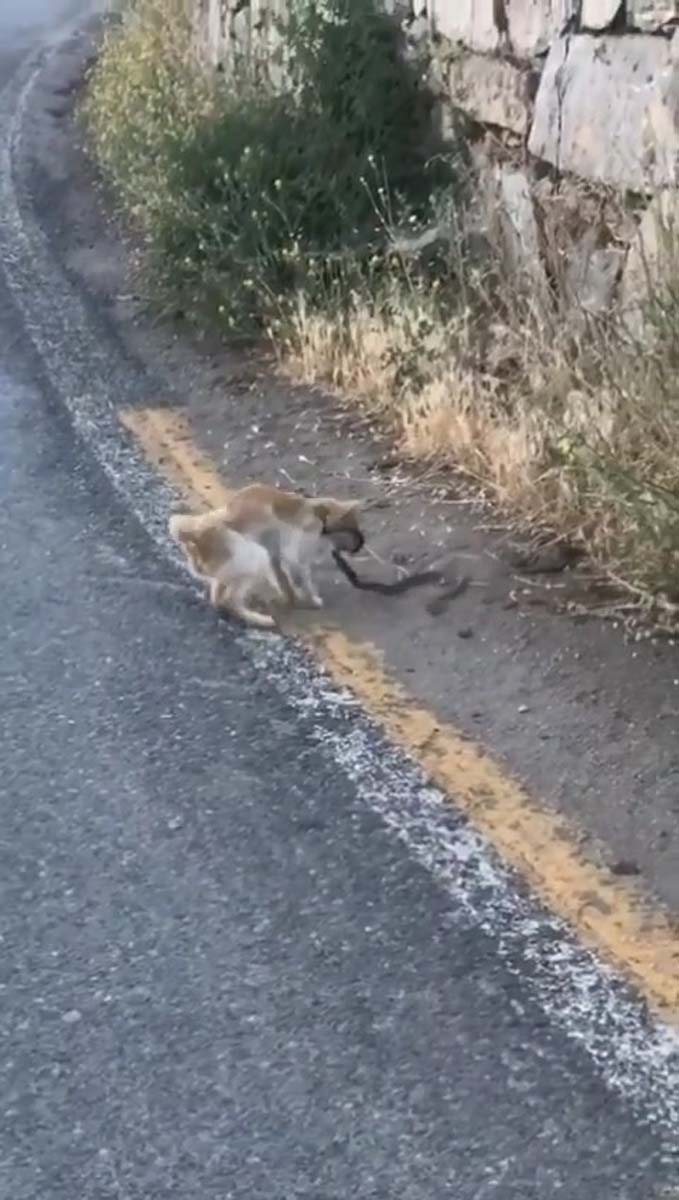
(262, 544)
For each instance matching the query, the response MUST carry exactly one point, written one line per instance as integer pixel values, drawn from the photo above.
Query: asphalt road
(221, 975)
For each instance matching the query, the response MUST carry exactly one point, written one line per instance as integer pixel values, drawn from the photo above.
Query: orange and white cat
(262, 545)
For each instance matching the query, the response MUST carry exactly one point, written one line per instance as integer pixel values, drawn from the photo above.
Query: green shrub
(246, 193)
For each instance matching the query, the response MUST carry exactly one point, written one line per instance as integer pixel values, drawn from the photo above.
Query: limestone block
(533, 24)
(504, 218)
(209, 33)
(240, 32)
(607, 109)
(468, 21)
(597, 15)
(519, 228)
(490, 90)
(653, 257)
(217, 30)
(592, 274)
(649, 15)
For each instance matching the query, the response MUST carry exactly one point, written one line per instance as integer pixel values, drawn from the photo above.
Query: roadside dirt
(586, 721)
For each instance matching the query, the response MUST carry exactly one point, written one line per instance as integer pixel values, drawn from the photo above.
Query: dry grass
(568, 425)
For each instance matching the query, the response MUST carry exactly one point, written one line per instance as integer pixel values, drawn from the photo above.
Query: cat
(262, 544)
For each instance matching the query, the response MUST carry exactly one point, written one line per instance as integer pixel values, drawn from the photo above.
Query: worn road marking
(610, 913)
(167, 443)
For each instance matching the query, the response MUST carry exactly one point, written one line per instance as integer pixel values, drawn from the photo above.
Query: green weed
(246, 194)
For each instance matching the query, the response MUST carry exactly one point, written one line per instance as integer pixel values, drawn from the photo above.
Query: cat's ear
(345, 508)
(328, 509)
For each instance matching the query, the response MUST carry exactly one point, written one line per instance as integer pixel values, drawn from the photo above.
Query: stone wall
(574, 112)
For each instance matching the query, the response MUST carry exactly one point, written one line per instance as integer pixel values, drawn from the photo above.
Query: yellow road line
(167, 443)
(610, 913)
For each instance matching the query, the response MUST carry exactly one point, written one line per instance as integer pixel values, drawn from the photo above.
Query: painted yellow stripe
(168, 445)
(611, 913)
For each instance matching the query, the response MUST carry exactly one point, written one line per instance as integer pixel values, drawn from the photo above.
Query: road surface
(222, 976)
